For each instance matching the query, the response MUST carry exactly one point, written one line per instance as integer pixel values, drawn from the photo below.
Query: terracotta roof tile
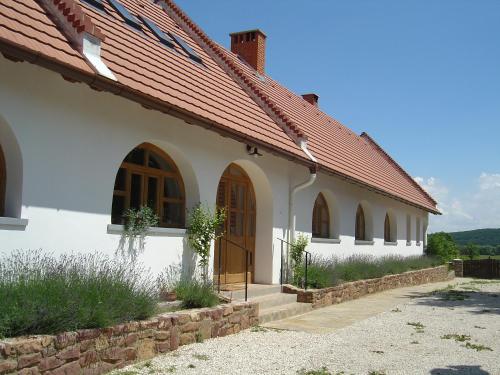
(228, 93)
(340, 150)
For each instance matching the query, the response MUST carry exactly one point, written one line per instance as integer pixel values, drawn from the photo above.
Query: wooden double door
(235, 193)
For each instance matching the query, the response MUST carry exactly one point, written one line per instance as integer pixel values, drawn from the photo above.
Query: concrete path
(331, 318)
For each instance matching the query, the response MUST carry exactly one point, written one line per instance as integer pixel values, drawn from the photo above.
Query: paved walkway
(331, 318)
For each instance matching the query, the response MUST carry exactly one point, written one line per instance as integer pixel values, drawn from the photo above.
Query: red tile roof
(223, 92)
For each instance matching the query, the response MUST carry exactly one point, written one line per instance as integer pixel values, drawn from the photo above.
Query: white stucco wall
(64, 143)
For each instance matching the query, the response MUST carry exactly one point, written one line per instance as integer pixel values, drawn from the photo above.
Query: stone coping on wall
(97, 351)
(356, 289)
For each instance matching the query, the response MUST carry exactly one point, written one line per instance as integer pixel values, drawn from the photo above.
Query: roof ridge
(219, 55)
(368, 138)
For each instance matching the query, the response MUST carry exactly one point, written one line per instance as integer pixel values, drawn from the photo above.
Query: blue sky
(422, 77)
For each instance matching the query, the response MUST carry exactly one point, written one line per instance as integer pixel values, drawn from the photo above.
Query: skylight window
(126, 15)
(164, 38)
(191, 53)
(95, 3)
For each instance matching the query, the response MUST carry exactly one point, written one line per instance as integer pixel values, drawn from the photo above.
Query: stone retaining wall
(353, 290)
(96, 351)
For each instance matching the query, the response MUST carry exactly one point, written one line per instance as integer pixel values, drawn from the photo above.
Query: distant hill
(478, 236)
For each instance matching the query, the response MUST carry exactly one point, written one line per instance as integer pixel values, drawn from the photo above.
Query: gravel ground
(410, 339)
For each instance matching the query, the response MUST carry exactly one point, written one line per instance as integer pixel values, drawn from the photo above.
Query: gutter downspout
(297, 188)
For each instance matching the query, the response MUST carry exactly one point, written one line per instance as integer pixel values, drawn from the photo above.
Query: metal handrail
(282, 257)
(246, 262)
(307, 260)
(308, 254)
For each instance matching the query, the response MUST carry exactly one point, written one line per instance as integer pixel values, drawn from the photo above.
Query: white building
(122, 107)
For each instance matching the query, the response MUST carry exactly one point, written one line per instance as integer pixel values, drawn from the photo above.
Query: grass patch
(171, 369)
(325, 272)
(419, 327)
(455, 295)
(479, 327)
(484, 282)
(470, 287)
(201, 357)
(45, 294)
(198, 337)
(377, 372)
(322, 371)
(191, 366)
(454, 336)
(147, 364)
(258, 329)
(477, 347)
(194, 294)
(414, 342)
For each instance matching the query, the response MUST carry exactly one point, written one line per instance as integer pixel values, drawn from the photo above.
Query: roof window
(191, 53)
(126, 15)
(164, 38)
(95, 3)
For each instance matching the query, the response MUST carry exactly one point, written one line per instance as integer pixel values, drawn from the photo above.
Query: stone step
(254, 291)
(275, 299)
(283, 311)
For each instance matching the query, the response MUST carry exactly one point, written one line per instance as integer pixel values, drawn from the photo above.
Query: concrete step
(283, 311)
(275, 299)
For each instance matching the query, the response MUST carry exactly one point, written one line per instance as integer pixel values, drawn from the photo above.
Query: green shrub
(443, 246)
(44, 294)
(324, 272)
(194, 293)
(297, 250)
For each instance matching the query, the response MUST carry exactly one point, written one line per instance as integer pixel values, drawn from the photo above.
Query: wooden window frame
(146, 172)
(318, 219)
(360, 225)
(3, 182)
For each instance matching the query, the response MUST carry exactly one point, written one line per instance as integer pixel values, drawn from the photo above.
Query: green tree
(471, 250)
(204, 226)
(442, 245)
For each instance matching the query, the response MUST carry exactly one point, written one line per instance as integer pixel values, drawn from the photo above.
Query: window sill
(390, 243)
(408, 243)
(363, 243)
(13, 223)
(153, 231)
(325, 240)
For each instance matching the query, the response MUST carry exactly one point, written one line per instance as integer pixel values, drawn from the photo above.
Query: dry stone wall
(97, 351)
(356, 289)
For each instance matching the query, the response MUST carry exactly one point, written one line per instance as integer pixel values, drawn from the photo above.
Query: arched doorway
(236, 194)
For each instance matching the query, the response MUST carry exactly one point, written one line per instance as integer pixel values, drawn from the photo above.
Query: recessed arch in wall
(364, 222)
(11, 172)
(390, 227)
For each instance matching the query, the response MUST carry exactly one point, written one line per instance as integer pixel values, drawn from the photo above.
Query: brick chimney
(251, 47)
(311, 98)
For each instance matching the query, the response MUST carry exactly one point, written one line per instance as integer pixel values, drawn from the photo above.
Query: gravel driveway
(453, 331)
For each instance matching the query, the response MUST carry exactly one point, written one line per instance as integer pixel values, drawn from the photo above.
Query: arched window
(360, 234)
(408, 229)
(321, 218)
(417, 231)
(387, 228)
(148, 177)
(3, 182)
